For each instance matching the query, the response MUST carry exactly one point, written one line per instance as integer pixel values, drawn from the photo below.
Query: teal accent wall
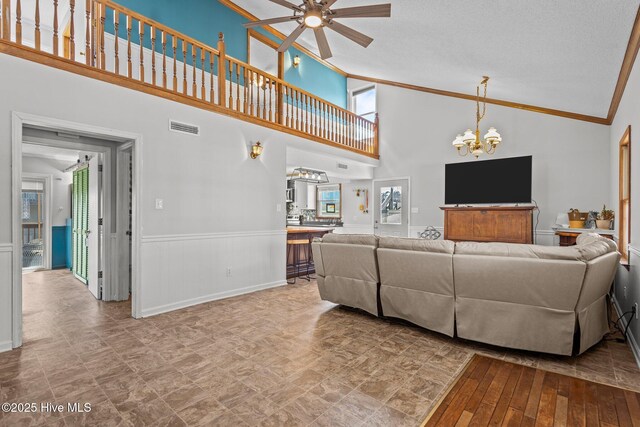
(204, 19)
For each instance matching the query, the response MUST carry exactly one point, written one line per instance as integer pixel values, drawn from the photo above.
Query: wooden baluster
(153, 35)
(18, 22)
(194, 78)
(174, 45)
(55, 27)
(163, 42)
(129, 63)
(87, 48)
(37, 26)
(6, 19)
(116, 47)
(184, 66)
(103, 17)
(203, 90)
(211, 89)
(230, 66)
(376, 130)
(297, 110)
(307, 108)
(72, 30)
(250, 92)
(141, 38)
(246, 89)
(288, 101)
(271, 83)
(264, 96)
(222, 59)
(238, 87)
(255, 87)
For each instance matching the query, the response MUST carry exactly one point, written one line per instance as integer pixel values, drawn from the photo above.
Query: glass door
(33, 224)
(391, 216)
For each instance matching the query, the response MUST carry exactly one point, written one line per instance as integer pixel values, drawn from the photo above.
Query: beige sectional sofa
(539, 298)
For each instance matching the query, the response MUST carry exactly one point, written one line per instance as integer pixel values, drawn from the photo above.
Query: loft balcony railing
(101, 39)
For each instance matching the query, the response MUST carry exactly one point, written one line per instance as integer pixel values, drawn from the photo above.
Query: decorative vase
(603, 224)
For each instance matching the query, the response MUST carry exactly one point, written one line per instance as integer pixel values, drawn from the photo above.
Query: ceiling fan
(317, 15)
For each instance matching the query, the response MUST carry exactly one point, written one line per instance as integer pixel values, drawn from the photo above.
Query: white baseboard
(635, 349)
(6, 346)
(208, 298)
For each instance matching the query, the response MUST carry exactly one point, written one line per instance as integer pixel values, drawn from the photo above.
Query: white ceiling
(563, 54)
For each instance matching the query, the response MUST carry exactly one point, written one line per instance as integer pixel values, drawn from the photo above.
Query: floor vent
(179, 127)
(342, 166)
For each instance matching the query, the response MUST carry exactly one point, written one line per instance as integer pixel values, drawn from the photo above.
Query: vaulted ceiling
(564, 55)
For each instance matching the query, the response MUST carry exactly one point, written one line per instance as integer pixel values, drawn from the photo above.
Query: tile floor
(276, 357)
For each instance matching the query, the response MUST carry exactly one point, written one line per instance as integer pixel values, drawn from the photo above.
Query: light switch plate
(415, 210)
(159, 204)
(278, 207)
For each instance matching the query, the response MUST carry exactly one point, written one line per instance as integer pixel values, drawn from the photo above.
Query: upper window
(363, 103)
(624, 212)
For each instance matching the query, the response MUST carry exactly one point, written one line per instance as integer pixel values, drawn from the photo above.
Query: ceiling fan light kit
(317, 15)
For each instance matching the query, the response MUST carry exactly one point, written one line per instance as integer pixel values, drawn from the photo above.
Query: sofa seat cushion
(403, 243)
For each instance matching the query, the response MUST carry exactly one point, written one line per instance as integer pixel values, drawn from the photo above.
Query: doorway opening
(75, 193)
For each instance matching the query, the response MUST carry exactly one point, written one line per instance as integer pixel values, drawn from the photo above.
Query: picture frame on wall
(331, 208)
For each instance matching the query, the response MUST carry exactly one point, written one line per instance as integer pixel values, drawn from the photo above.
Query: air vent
(179, 127)
(342, 166)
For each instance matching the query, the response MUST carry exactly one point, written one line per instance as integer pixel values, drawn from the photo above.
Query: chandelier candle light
(471, 141)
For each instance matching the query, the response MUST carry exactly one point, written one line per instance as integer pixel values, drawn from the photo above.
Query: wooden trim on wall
(533, 108)
(626, 226)
(625, 70)
(231, 5)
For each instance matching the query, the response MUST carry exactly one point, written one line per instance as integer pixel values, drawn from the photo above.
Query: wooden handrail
(194, 76)
(155, 24)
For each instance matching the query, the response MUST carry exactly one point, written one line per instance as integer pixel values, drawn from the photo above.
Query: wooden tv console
(510, 224)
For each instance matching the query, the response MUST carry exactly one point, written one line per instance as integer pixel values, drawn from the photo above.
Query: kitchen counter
(307, 229)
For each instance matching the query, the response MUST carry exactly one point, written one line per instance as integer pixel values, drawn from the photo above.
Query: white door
(391, 208)
(94, 230)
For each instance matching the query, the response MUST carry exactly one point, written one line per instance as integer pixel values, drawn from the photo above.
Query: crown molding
(527, 107)
(231, 5)
(625, 71)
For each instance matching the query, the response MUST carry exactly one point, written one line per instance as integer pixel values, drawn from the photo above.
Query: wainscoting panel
(6, 321)
(183, 270)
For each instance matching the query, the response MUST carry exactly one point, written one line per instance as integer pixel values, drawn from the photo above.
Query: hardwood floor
(499, 393)
(276, 357)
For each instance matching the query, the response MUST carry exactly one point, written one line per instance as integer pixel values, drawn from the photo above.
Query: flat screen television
(488, 181)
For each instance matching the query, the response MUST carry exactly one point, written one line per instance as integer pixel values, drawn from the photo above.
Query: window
(624, 211)
(363, 103)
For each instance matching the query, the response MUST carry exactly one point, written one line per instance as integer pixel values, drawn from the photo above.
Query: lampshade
(493, 137)
(469, 137)
(308, 175)
(458, 142)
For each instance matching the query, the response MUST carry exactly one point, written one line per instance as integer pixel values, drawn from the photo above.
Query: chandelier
(470, 142)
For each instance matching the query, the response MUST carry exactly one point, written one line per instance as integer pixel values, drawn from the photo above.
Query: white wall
(220, 232)
(60, 194)
(570, 157)
(627, 286)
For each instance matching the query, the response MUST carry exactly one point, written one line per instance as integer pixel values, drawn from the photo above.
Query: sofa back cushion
(351, 239)
(422, 245)
(514, 250)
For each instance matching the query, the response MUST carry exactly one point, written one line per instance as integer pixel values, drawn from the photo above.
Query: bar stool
(296, 248)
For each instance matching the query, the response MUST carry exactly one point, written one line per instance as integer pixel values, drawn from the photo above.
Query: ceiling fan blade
(323, 44)
(285, 3)
(326, 4)
(362, 39)
(286, 44)
(268, 21)
(373, 11)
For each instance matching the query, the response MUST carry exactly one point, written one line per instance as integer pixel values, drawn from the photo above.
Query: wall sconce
(296, 61)
(256, 150)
